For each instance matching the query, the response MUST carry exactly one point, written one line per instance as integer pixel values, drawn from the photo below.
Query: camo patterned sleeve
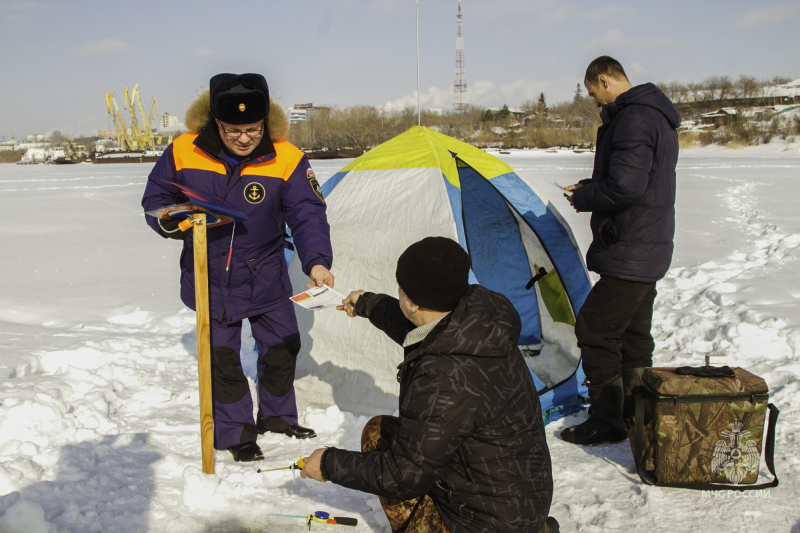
(425, 441)
(384, 313)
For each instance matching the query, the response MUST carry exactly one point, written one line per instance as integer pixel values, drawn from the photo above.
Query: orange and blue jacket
(276, 188)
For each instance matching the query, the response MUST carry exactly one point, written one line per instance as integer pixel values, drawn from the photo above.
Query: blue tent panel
(552, 233)
(495, 246)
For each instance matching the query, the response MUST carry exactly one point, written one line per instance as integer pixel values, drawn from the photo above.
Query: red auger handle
(345, 521)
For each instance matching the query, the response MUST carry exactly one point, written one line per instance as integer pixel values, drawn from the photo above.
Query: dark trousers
(278, 342)
(613, 328)
(418, 515)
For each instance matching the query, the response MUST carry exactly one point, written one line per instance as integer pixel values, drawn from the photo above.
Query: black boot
(605, 421)
(246, 452)
(631, 380)
(299, 431)
(276, 424)
(551, 526)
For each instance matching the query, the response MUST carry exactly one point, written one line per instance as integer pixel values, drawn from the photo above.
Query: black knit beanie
(239, 98)
(434, 273)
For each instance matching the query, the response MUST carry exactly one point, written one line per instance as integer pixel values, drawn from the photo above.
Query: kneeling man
(468, 451)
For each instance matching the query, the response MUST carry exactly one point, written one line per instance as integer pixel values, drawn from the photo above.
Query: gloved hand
(170, 228)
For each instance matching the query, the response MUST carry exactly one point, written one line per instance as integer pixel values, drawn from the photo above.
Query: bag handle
(649, 479)
(706, 371)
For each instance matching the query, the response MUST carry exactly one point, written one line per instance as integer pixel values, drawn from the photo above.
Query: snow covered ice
(99, 408)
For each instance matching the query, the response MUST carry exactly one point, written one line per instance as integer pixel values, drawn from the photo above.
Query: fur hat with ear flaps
(199, 113)
(239, 98)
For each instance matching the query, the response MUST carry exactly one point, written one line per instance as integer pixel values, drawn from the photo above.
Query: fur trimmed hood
(198, 114)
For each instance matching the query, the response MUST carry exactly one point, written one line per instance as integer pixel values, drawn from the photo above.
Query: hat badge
(241, 108)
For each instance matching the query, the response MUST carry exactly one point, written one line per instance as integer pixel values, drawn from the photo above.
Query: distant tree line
(742, 128)
(364, 127)
(720, 91)
(535, 124)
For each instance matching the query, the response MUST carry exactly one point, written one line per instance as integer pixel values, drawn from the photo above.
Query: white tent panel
(374, 216)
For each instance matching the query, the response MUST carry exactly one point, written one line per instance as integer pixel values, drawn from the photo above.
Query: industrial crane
(136, 131)
(145, 133)
(124, 140)
(153, 114)
(138, 136)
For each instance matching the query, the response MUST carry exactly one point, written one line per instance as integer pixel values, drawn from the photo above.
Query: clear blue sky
(58, 59)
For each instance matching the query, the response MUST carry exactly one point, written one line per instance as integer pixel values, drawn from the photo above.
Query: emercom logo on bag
(736, 458)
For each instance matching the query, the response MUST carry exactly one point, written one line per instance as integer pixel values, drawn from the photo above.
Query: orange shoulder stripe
(187, 155)
(287, 157)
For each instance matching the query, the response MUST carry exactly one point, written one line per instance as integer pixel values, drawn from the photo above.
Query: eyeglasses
(234, 134)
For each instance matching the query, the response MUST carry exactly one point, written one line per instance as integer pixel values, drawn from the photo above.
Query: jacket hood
(484, 324)
(649, 95)
(197, 117)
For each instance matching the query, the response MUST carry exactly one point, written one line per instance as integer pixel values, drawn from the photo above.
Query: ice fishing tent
(423, 183)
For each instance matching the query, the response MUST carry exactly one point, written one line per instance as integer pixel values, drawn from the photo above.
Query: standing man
(631, 196)
(236, 150)
(468, 451)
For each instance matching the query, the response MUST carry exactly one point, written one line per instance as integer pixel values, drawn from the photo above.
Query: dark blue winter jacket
(632, 191)
(274, 186)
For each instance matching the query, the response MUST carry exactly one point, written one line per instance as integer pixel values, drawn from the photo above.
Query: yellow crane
(71, 152)
(124, 139)
(153, 114)
(136, 131)
(160, 137)
(144, 133)
(140, 134)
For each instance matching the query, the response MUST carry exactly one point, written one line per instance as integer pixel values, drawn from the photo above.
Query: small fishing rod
(322, 516)
(299, 465)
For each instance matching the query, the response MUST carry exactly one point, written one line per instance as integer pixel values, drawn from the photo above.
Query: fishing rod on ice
(318, 516)
(324, 517)
(299, 465)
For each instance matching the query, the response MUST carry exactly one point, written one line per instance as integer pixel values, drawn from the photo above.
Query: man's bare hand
(568, 195)
(312, 468)
(320, 276)
(349, 303)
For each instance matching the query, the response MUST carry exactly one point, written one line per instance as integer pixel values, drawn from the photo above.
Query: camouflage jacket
(471, 432)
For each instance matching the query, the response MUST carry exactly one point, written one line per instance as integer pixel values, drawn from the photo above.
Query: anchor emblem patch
(254, 192)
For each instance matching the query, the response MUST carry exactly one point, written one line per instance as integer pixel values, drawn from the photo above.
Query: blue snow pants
(278, 343)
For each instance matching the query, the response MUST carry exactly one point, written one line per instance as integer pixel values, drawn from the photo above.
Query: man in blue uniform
(236, 150)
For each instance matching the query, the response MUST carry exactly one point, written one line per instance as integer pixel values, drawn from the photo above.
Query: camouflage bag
(702, 428)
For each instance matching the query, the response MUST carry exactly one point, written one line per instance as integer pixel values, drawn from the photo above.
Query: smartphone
(562, 188)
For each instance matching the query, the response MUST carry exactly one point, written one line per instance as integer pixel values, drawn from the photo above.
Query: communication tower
(460, 85)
